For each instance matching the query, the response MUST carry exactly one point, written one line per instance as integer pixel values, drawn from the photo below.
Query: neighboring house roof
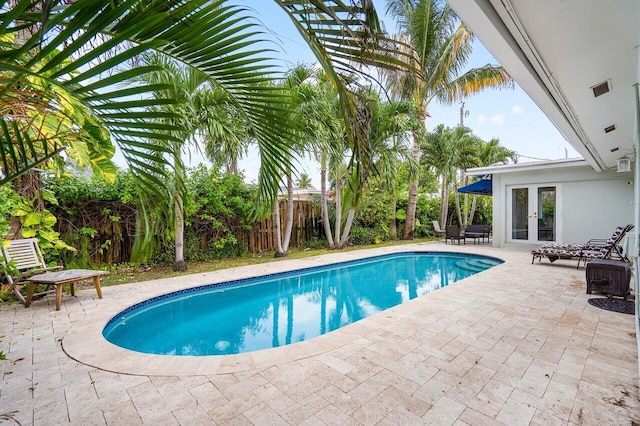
(301, 194)
(559, 52)
(521, 167)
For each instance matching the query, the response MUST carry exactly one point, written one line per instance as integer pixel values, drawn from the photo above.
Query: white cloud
(497, 119)
(482, 119)
(517, 110)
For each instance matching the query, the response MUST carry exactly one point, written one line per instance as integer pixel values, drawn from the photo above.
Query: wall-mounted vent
(610, 128)
(601, 88)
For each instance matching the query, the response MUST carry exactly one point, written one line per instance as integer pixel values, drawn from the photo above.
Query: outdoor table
(60, 278)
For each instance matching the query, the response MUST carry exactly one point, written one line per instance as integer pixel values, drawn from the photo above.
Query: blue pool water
(276, 310)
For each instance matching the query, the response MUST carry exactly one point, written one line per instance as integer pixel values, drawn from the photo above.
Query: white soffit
(557, 50)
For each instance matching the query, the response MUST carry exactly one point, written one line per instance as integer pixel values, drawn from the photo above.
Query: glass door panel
(519, 214)
(547, 213)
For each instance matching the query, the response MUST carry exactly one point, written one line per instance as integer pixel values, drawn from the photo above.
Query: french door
(531, 213)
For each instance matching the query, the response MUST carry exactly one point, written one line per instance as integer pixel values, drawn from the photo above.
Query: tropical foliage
(99, 218)
(67, 61)
(74, 59)
(449, 151)
(64, 65)
(160, 79)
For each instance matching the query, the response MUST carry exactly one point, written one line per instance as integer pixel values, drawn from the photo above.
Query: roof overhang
(527, 167)
(557, 50)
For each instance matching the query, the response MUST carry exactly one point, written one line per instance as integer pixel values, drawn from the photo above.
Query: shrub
(363, 236)
(315, 243)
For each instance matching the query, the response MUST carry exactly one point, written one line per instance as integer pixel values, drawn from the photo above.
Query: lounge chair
(592, 249)
(24, 259)
(453, 234)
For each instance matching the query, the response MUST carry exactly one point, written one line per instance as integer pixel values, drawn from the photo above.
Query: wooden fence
(307, 223)
(115, 226)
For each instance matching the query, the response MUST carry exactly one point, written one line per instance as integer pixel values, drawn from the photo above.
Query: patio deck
(517, 344)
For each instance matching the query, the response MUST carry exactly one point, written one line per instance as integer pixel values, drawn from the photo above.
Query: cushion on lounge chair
(558, 246)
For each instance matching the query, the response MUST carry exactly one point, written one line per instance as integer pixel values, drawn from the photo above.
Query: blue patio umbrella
(481, 187)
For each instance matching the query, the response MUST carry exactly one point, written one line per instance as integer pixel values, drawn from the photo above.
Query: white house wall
(591, 204)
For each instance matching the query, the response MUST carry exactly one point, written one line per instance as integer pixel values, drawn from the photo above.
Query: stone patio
(517, 344)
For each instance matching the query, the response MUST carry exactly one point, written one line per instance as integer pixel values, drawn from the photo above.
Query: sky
(508, 115)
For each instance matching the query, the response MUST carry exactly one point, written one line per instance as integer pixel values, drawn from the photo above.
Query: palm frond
(212, 37)
(473, 81)
(22, 154)
(343, 37)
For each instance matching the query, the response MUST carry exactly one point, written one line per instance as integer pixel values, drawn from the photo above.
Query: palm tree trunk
(277, 241)
(462, 212)
(456, 195)
(466, 205)
(338, 209)
(465, 181)
(473, 208)
(179, 264)
(289, 225)
(347, 228)
(444, 202)
(410, 222)
(323, 204)
(393, 224)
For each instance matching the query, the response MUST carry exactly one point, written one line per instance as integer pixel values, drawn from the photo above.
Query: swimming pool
(281, 309)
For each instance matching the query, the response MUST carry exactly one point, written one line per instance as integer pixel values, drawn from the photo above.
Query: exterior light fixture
(624, 164)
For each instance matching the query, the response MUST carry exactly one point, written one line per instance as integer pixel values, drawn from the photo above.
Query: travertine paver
(517, 344)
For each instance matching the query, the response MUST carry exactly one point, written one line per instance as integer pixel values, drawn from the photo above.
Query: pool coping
(85, 343)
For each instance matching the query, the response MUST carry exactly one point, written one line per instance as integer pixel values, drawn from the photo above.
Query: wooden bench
(60, 278)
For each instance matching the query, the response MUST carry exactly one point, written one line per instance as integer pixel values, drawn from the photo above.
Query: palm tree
(304, 181)
(391, 125)
(439, 151)
(222, 130)
(465, 147)
(296, 84)
(196, 112)
(319, 111)
(343, 37)
(441, 46)
(388, 125)
(488, 154)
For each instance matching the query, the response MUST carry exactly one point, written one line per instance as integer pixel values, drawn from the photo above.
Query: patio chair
(592, 249)
(24, 258)
(436, 227)
(453, 234)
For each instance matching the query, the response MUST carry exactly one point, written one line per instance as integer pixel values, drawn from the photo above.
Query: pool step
(474, 265)
(483, 262)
